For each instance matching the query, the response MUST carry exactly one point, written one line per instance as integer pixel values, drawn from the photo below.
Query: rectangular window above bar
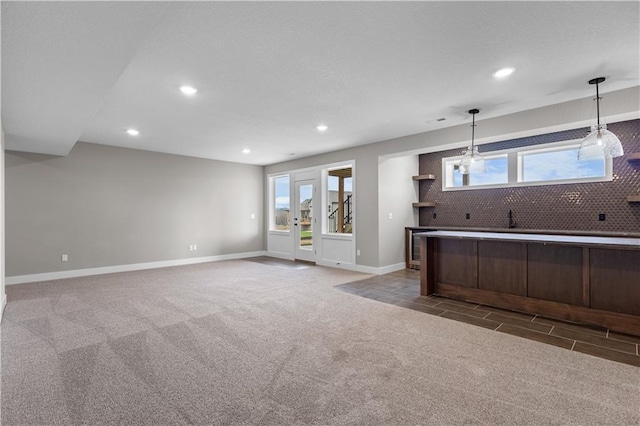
(548, 164)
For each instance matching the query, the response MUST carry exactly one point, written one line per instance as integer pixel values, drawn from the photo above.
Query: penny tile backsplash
(572, 207)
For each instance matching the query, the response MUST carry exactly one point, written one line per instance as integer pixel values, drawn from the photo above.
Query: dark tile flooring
(402, 288)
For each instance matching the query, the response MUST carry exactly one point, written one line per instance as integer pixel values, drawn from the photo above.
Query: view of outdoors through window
(282, 203)
(533, 165)
(497, 172)
(305, 217)
(558, 165)
(340, 201)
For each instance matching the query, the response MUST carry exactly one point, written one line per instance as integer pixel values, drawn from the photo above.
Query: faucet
(512, 223)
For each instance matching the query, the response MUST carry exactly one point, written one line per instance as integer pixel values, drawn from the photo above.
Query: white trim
(338, 237)
(392, 268)
(4, 303)
(48, 276)
(362, 268)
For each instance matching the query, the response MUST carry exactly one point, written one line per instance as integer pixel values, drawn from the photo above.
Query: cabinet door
(502, 267)
(457, 262)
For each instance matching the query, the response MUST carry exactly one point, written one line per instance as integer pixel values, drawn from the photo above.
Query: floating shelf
(633, 198)
(424, 204)
(424, 177)
(634, 157)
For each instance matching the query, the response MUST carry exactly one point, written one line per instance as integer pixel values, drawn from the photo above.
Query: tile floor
(402, 288)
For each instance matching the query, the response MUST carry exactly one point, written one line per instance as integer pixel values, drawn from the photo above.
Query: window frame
(514, 167)
(325, 199)
(272, 203)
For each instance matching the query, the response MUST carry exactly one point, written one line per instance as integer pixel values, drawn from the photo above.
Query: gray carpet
(245, 342)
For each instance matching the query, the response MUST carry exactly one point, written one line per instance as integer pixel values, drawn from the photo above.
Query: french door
(304, 222)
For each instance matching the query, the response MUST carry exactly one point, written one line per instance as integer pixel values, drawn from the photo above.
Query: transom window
(548, 164)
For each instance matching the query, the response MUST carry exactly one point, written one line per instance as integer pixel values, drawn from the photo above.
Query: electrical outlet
(390, 216)
(357, 252)
(253, 215)
(602, 217)
(191, 248)
(434, 215)
(65, 258)
(195, 247)
(468, 216)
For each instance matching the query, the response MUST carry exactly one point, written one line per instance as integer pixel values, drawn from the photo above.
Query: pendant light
(599, 143)
(473, 161)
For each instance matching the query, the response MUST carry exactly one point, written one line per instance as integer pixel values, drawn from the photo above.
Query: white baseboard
(392, 268)
(48, 276)
(365, 269)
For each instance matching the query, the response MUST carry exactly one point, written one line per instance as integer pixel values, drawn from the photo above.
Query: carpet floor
(267, 342)
(402, 288)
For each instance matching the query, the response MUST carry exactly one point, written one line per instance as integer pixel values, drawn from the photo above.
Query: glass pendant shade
(472, 162)
(600, 143)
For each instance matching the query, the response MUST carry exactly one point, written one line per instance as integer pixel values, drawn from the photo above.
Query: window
(557, 164)
(548, 164)
(281, 204)
(339, 200)
(497, 173)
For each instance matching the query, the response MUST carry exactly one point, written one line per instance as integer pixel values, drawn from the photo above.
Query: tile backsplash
(572, 207)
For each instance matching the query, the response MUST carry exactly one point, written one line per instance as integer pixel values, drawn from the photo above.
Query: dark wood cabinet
(589, 280)
(502, 268)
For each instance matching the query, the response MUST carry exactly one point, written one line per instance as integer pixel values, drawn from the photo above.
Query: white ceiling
(268, 72)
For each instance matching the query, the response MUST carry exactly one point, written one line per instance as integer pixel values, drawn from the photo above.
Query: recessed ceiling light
(188, 90)
(504, 72)
(246, 150)
(322, 127)
(133, 132)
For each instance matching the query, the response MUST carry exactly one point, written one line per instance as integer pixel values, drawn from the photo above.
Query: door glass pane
(306, 217)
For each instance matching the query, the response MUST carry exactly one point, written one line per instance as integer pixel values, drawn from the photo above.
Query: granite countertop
(621, 242)
(529, 231)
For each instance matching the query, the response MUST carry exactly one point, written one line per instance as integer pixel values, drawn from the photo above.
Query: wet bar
(582, 279)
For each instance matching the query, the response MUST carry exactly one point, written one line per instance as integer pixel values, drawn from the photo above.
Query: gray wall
(397, 191)
(2, 226)
(562, 116)
(108, 206)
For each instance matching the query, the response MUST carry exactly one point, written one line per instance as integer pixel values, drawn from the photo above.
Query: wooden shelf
(424, 204)
(424, 177)
(634, 157)
(633, 198)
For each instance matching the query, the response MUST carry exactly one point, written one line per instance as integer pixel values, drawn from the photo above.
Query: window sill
(337, 236)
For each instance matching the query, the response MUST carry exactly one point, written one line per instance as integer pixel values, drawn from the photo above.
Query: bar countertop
(614, 242)
(527, 231)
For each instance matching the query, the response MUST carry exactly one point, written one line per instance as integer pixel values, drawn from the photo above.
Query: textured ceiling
(268, 72)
